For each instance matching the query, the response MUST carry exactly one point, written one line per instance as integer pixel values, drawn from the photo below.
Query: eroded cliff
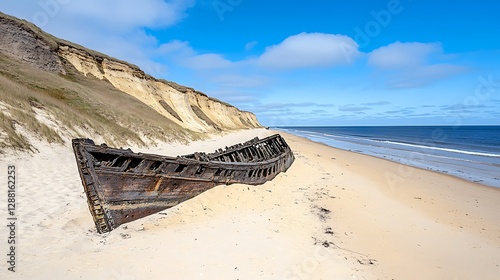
(20, 40)
(184, 106)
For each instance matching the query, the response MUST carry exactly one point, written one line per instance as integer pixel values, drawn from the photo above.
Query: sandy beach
(333, 215)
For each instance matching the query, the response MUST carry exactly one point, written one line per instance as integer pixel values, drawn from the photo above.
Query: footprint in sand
(77, 223)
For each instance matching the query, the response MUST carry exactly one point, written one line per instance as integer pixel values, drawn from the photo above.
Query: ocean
(468, 152)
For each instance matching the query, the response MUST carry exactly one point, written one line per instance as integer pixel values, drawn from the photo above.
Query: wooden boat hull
(123, 186)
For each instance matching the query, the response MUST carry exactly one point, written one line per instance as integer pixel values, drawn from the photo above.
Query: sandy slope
(333, 215)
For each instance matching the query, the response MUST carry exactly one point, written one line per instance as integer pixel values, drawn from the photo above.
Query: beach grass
(81, 105)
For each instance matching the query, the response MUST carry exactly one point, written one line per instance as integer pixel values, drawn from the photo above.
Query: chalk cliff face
(184, 106)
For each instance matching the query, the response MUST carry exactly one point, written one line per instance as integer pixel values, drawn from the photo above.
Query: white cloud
(251, 45)
(411, 65)
(183, 54)
(353, 108)
(425, 75)
(207, 61)
(233, 80)
(176, 48)
(307, 50)
(126, 14)
(115, 14)
(403, 55)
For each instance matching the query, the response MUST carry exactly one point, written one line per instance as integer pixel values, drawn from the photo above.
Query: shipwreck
(122, 186)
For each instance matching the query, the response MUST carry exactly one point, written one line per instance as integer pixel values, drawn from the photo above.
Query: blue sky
(379, 62)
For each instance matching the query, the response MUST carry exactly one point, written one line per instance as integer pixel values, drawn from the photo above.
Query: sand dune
(333, 215)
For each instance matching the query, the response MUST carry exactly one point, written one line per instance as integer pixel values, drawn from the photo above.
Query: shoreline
(478, 184)
(463, 168)
(332, 215)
